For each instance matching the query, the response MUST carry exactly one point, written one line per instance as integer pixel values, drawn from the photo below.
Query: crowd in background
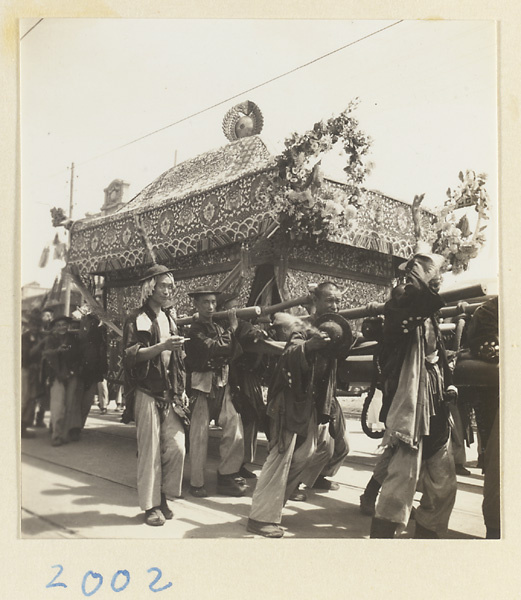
(64, 370)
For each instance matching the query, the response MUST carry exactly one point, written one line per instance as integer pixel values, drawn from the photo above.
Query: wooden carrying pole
(371, 309)
(376, 308)
(249, 312)
(470, 291)
(269, 310)
(459, 309)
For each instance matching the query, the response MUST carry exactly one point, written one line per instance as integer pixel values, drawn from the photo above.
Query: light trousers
(161, 452)
(100, 388)
(404, 467)
(281, 473)
(231, 447)
(64, 408)
(250, 441)
(103, 394)
(28, 400)
(457, 437)
(328, 457)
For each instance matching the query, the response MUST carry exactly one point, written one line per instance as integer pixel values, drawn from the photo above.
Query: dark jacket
(408, 309)
(245, 377)
(93, 342)
(63, 356)
(141, 330)
(32, 347)
(210, 347)
(303, 383)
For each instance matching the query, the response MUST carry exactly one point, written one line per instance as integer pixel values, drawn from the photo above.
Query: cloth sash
(411, 408)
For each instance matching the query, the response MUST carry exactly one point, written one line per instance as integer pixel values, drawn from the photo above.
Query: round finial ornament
(243, 120)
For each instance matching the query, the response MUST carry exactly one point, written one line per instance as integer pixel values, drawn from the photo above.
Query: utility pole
(71, 203)
(67, 302)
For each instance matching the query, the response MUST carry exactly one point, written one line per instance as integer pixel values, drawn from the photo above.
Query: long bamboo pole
(376, 308)
(250, 312)
(301, 300)
(371, 309)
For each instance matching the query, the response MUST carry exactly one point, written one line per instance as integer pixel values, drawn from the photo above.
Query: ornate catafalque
(210, 219)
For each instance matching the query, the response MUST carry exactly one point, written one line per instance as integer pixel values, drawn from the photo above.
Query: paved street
(88, 490)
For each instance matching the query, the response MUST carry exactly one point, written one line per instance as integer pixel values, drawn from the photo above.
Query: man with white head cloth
(155, 380)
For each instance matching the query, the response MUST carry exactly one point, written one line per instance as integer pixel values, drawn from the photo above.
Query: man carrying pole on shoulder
(304, 413)
(416, 390)
(209, 351)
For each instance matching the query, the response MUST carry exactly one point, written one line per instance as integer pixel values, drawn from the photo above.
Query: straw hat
(154, 271)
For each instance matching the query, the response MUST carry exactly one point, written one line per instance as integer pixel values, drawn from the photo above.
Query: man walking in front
(155, 392)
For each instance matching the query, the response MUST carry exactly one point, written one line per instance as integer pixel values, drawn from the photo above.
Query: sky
(427, 92)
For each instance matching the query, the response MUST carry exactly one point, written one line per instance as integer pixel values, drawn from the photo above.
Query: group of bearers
(175, 386)
(303, 420)
(63, 368)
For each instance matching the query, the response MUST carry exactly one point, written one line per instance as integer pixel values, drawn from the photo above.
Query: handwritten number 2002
(89, 576)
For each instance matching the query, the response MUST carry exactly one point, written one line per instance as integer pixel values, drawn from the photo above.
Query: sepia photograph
(259, 280)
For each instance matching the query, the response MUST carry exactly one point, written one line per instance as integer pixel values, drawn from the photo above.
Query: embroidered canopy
(215, 200)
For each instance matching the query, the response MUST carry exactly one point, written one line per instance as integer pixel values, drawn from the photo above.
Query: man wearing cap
(208, 353)
(416, 389)
(63, 357)
(155, 391)
(304, 413)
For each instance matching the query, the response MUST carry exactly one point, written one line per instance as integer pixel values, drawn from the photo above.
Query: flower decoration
(58, 216)
(455, 239)
(302, 204)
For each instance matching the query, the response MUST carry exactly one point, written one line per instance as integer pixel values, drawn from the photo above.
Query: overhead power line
(255, 87)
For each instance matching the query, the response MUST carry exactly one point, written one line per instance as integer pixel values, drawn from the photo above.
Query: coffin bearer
(332, 442)
(93, 340)
(416, 389)
(155, 391)
(208, 354)
(304, 413)
(478, 374)
(245, 382)
(63, 357)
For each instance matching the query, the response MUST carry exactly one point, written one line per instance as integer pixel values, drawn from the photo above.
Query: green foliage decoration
(302, 205)
(455, 239)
